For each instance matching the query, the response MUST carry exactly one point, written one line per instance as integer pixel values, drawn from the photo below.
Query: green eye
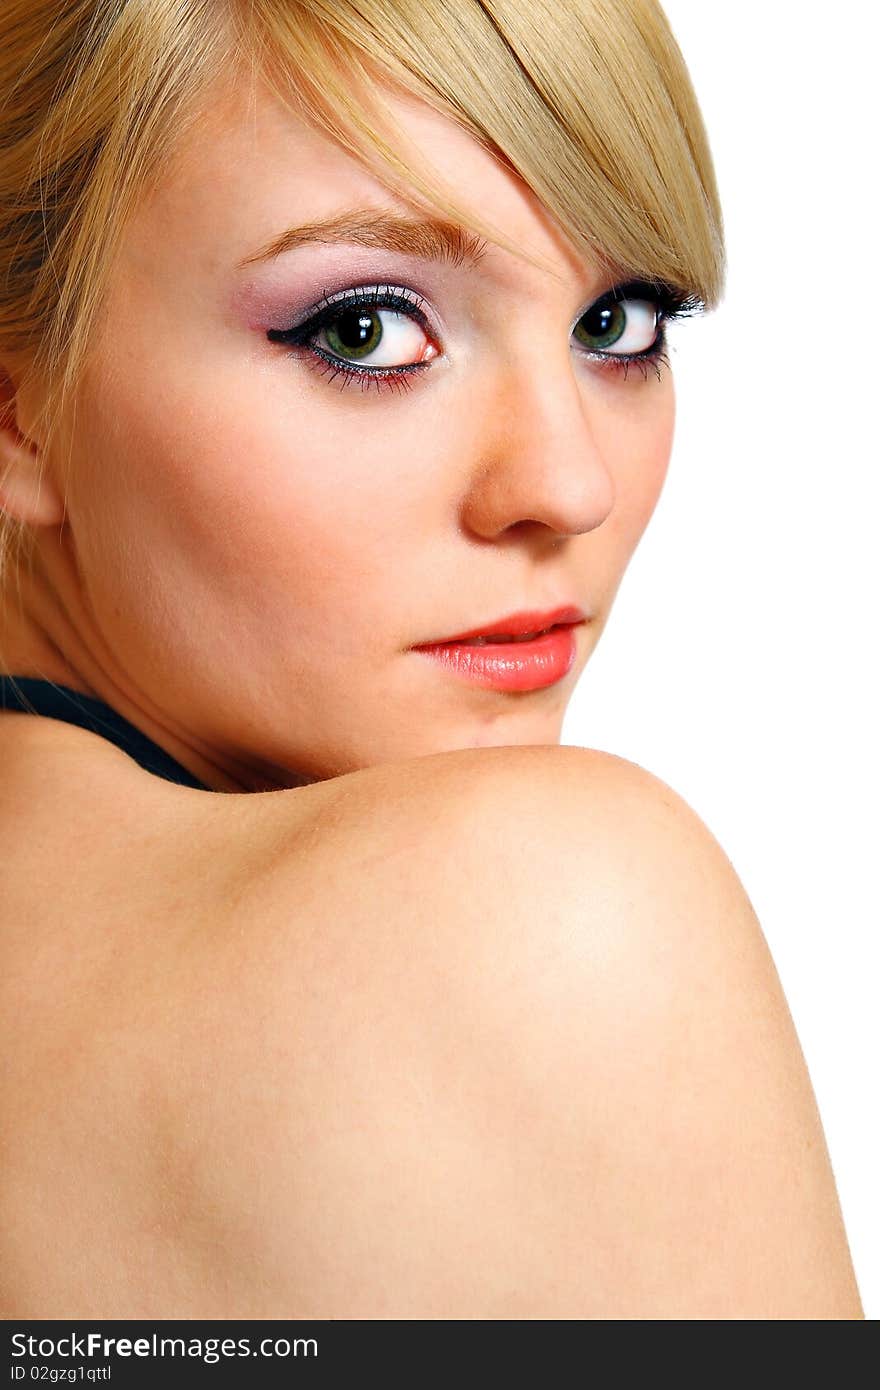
(606, 325)
(601, 327)
(354, 333)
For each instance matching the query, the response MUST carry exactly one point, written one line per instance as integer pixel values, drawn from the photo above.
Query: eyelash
(671, 304)
(329, 308)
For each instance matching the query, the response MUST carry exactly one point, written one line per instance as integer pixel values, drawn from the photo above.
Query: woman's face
(263, 540)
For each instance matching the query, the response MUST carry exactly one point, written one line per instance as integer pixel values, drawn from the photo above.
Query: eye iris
(602, 326)
(355, 333)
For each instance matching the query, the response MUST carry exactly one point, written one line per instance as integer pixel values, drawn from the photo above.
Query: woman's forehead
(254, 180)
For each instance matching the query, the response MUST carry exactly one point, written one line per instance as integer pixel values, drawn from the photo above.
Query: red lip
(515, 624)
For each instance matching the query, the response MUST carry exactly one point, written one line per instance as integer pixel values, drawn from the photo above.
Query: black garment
(41, 697)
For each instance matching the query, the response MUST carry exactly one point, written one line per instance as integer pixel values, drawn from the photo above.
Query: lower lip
(510, 665)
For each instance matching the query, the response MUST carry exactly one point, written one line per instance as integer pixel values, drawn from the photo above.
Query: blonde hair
(588, 101)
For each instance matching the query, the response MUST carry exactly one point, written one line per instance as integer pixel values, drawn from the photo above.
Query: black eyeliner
(330, 306)
(670, 303)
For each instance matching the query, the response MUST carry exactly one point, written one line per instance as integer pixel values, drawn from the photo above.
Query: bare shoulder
(524, 1014)
(498, 1023)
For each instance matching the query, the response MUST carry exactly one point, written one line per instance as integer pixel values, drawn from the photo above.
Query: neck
(33, 629)
(47, 632)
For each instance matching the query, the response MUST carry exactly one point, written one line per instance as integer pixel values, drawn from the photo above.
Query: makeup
(526, 651)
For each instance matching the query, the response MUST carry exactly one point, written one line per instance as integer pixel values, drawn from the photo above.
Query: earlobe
(27, 490)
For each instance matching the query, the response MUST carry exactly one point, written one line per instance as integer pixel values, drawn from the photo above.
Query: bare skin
(454, 1023)
(268, 1060)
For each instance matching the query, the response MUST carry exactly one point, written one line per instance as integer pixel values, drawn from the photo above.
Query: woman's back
(408, 1043)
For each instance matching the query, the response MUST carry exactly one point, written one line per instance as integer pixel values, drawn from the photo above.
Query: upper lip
(515, 624)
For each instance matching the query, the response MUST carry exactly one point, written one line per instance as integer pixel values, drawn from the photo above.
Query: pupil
(355, 332)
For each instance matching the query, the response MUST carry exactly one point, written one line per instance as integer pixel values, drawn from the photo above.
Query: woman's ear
(27, 490)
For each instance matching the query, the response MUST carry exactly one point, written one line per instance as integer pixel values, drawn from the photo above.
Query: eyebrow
(429, 238)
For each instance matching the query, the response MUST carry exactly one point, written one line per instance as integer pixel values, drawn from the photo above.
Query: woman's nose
(536, 457)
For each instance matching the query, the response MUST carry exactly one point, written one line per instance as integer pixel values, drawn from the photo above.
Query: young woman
(334, 404)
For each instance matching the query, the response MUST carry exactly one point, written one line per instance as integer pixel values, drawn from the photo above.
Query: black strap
(42, 697)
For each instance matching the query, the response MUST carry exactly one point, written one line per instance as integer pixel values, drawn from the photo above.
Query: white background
(740, 663)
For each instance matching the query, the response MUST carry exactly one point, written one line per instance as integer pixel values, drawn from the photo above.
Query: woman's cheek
(637, 445)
